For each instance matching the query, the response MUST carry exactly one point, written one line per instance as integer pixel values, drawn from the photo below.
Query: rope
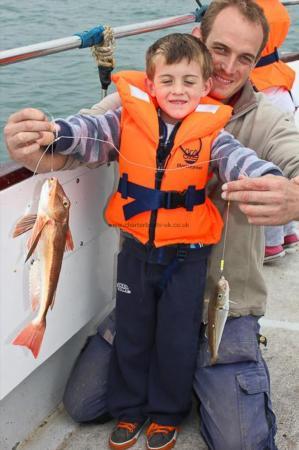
(104, 56)
(103, 52)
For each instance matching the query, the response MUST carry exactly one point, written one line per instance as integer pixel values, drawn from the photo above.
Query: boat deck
(281, 327)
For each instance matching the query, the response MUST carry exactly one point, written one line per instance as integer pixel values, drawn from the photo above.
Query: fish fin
(69, 244)
(24, 224)
(31, 337)
(34, 285)
(40, 222)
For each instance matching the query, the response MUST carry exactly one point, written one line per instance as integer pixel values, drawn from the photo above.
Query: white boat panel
(86, 281)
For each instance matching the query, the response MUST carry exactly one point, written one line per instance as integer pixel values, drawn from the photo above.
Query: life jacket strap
(268, 59)
(147, 199)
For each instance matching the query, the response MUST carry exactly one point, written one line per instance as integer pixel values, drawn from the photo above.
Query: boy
(168, 136)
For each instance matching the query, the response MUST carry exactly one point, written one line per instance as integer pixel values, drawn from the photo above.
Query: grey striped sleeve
(232, 159)
(90, 138)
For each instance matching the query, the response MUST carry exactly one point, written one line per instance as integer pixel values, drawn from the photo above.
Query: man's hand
(27, 133)
(268, 200)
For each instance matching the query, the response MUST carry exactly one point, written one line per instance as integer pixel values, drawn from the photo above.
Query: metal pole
(289, 57)
(59, 45)
(290, 3)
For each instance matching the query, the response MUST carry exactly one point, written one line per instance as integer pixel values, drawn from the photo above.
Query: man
(234, 394)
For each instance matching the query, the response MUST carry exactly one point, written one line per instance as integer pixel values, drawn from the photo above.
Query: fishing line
(51, 145)
(175, 169)
(39, 161)
(242, 171)
(224, 238)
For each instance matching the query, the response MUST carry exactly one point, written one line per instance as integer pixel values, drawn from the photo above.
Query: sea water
(61, 84)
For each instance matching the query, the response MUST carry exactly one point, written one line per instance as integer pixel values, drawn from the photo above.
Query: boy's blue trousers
(158, 313)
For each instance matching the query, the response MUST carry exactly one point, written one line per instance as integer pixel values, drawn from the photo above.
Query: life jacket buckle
(190, 198)
(174, 199)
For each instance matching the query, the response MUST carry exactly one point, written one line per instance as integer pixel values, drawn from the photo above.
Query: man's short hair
(248, 8)
(178, 46)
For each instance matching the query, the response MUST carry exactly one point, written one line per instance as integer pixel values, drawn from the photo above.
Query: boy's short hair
(178, 46)
(249, 9)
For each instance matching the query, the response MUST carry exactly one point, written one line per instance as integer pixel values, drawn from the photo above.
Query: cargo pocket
(257, 419)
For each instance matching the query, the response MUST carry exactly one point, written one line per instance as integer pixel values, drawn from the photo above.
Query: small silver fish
(217, 314)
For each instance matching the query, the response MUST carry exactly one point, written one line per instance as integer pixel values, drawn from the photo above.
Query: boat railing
(95, 36)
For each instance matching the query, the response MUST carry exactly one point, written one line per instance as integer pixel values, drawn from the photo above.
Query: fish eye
(65, 203)
(219, 296)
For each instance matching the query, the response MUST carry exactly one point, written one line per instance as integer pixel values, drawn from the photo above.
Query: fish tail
(213, 360)
(31, 337)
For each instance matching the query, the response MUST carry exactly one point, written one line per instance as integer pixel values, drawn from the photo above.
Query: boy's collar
(166, 123)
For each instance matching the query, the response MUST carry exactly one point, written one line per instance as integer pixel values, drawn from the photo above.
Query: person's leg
(274, 238)
(290, 228)
(176, 341)
(234, 395)
(181, 285)
(135, 324)
(85, 396)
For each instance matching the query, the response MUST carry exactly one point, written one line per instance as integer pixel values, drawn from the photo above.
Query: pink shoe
(272, 253)
(290, 242)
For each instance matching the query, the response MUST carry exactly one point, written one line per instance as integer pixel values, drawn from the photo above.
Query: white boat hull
(85, 287)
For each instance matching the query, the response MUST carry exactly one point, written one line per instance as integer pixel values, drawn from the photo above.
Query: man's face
(234, 44)
(178, 88)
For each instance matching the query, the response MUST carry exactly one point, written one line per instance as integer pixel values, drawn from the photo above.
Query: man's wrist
(64, 136)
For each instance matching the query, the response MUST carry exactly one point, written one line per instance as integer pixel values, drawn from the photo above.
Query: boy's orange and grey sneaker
(125, 434)
(161, 436)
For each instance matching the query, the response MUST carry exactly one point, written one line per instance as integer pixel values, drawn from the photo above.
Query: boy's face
(177, 87)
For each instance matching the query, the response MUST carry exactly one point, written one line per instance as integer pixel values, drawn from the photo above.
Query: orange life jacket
(275, 72)
(174, 208)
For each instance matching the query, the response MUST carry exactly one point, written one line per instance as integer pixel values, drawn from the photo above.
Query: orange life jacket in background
(275, 73)
(176, 208)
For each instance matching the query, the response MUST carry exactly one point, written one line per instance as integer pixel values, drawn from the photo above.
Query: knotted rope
(104, 56)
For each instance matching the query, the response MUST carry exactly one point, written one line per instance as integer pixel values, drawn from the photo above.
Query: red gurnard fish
(49, 239)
